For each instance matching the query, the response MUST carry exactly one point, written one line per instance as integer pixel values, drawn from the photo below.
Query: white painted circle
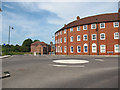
(72, 61)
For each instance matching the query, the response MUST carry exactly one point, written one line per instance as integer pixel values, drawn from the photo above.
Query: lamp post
(9, 37)
(97, 37)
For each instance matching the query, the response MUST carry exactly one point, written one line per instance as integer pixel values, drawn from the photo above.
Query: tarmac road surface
(42, 72)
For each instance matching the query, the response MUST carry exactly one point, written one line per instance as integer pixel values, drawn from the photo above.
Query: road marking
(99, 60)
(68, 65)
(71, 61)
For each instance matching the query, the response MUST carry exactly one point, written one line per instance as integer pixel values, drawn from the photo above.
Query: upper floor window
(116, 24)
(78, 28)
(60, 32)
(84, 27)
(102, 25)
(78, 38)
(60, 40)
(64, 31)
(116, 48)
(102, 36)
(71, 29)
(64, 39)
(93, 26)
(71, 39)
(102, 48)
(78, 49)
(85, 37)
(116, 35)
(56, 41)
(93, 36)
(71, 49)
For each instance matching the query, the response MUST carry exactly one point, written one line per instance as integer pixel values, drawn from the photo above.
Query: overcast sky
(40, 20)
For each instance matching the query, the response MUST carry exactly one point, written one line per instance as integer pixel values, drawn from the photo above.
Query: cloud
(41, 20)
(60, 1)
(8, 6)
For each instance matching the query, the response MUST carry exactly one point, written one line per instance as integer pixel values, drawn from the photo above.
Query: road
(42, 72)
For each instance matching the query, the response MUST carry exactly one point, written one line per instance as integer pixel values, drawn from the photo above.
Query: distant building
(40, 47)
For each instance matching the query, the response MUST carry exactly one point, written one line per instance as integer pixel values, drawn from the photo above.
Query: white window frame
(64, 39)
(84, 27)
(60, 32)
(64, 31)
(101, 25)
(71, 29)
(92, 26)
(84, 37)
(78, 28)
(58, 48)
(84, 48)
(77, 49)
(102, 38)
(70, 49)
(114, 23)
(116, 49)
(60, 40)
(94, 49)
(77, 37)
(92, 36)
(116, 35)
(61, 49)
(71, 39)
(65, 49)
(102, 49)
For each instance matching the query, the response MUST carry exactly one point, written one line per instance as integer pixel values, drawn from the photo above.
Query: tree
(26, 45)
(36, 40)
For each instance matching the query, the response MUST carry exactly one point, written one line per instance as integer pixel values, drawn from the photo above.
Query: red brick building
(40, 47)
(94, 35)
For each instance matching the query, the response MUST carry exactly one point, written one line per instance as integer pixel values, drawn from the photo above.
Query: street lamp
(9, 34)
(97, 37)
(9, 37)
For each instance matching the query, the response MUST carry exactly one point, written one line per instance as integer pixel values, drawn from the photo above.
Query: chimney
(78, 17)
(64, 25)
(119, 11)
(51, 43)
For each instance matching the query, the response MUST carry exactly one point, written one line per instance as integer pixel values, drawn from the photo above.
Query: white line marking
(99, 59)
(68, 65)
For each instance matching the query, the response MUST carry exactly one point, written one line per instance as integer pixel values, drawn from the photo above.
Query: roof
(92, 19)
(39, 43)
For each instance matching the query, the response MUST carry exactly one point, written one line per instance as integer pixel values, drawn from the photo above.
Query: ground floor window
(61, 49)
(64, 49)
(85, 48)
(78, 49)
(102, 48)
(116, 48)
(56, 49)
(94, 49)
(71, 49)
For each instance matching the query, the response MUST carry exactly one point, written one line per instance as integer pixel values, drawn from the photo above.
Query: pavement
(42, 72)
(6, 56)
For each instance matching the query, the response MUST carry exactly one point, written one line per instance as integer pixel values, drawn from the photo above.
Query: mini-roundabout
(69, 63)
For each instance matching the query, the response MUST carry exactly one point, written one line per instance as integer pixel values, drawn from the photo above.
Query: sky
(40, 20)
